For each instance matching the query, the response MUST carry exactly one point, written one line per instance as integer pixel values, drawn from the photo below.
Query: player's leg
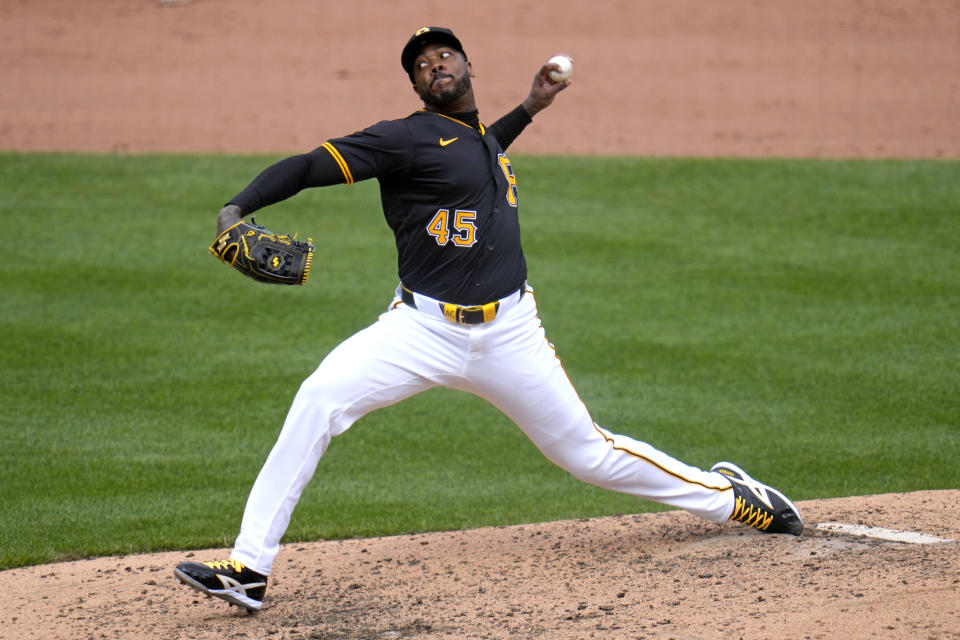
(523, 377)
(391, 360)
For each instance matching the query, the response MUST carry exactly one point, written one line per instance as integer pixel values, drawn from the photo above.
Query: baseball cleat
(227, 579)
(758, 505)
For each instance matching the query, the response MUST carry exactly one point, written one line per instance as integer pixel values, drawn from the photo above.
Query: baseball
(566, 67)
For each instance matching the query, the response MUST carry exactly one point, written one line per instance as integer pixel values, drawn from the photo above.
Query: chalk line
(894, 535)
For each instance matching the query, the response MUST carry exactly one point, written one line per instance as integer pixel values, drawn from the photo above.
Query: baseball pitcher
(463, 316)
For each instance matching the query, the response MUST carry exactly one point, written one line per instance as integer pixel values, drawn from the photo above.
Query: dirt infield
(829, 78)
(847, 78)
(666, 575)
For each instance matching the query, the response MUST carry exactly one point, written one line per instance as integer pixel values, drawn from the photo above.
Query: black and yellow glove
(260, 254)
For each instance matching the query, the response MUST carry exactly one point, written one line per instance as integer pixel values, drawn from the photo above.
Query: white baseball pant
(507, 361)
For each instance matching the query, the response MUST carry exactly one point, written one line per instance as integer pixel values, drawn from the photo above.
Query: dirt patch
(686, 77)
(838, 78)
(666, 575)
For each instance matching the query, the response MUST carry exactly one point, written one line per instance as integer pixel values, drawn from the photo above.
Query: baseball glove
(260, 254)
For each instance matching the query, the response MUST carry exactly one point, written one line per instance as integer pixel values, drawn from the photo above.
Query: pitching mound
(666, 575)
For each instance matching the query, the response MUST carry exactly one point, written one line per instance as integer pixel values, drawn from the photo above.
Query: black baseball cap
(423, 37)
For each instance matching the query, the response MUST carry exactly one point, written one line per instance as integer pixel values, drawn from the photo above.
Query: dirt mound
(665, 575)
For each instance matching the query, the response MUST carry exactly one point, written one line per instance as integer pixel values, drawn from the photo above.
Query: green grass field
(801, 318)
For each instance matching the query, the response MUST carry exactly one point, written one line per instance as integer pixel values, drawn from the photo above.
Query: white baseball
(566, 68)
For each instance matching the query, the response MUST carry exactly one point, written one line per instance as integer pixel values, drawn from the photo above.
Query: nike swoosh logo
(444, 143)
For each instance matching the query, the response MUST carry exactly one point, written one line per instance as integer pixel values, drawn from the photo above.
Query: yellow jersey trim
(340, 161)
(483, 130)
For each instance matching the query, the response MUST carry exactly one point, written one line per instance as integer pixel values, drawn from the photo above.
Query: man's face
(441, 75)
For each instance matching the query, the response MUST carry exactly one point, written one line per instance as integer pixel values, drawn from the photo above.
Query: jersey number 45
(462, 230)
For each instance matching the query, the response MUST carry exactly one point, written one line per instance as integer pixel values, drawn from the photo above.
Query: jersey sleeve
(287, 178)
(379, 151)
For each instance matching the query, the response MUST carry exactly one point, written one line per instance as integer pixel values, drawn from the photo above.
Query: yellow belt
(456, 313)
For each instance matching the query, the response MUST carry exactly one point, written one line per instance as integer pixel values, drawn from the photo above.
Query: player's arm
(279, 181)
(378, 150)
(507, 128)
(541, 96)
(543, 90)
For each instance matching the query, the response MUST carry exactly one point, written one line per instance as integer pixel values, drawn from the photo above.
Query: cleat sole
(231, 597)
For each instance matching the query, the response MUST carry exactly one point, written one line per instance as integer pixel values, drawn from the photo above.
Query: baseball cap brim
(423, 37)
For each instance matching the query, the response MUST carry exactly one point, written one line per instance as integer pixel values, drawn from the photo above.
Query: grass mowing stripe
(801, 318)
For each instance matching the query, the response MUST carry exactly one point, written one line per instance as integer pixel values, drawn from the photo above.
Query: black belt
(459, 314)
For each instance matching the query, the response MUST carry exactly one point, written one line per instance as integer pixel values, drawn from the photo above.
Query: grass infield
(798, 317)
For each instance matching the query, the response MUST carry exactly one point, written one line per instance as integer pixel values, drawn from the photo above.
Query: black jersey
(448, 192)
(450, 197)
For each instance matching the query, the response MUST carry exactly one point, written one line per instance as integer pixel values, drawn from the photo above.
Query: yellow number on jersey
(437, 227)
(466, 230)
(511, 180)
(464, 227)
